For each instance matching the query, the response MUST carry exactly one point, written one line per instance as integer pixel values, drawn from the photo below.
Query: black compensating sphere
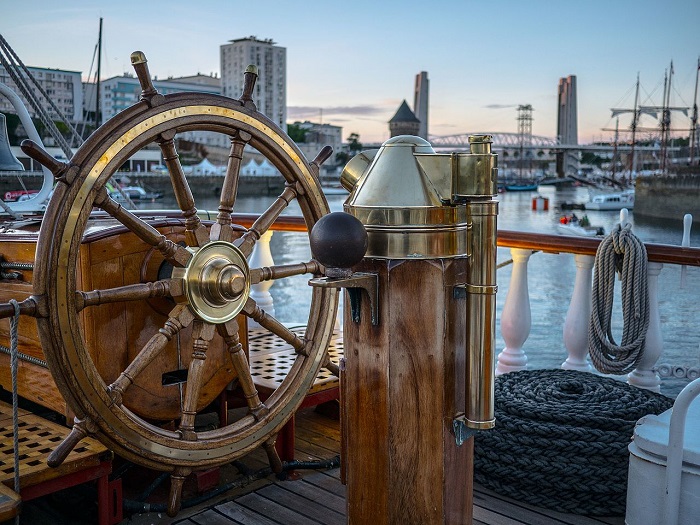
(338, 240)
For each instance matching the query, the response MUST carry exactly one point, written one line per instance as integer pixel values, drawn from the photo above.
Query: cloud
(500, 106)
(300, 112)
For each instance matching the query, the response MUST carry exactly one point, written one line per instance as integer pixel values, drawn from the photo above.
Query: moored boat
(611, 201)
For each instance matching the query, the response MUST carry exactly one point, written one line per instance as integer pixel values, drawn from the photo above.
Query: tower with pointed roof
(404, 122)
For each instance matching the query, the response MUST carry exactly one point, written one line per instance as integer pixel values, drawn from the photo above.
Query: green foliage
(354, 143)
(588, 157)
(296, 133)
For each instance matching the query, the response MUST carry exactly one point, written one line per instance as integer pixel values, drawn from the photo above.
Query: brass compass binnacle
(210, 282)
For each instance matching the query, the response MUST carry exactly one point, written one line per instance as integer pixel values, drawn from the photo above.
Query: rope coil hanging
(623, 253)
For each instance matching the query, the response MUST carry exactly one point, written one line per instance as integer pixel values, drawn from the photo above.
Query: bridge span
(511, 141)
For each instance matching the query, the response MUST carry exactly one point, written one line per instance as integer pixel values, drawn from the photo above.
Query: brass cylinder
(481, 315)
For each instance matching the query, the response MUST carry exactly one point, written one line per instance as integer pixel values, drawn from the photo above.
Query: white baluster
(624, 216)
(685, 242)
(643, 376)
(515, 318)
(578, 316)
(260, 293)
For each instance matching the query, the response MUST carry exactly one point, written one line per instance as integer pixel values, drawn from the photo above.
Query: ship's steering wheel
(210, 282)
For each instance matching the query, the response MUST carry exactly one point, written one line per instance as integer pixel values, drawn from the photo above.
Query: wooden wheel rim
(55, 277)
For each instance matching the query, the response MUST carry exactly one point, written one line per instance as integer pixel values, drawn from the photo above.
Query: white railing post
(644, 376)
(260, 293)
(515, 317)
(578, 316)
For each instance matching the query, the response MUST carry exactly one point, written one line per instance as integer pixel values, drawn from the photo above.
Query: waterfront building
(65, 89)
(420, 103)
(118, 93)
(270, 93)
(567, 126)
(404, 122)
(320, 135)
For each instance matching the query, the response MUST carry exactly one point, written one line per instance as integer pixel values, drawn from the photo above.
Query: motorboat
(611, 201)
(572, 225)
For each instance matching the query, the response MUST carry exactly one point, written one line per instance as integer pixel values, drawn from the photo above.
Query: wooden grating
(271, 359)
(37, 439)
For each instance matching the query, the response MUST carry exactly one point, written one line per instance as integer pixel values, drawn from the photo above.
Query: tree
(354, 143)
(296, 133)
(350, 149)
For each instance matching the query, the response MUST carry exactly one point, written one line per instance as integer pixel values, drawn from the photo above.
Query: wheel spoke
(252, 310)
(229, 331)
(221, 230)
(177, 480)
(180, 317)
(195, 232)
(266, 220)
(272, 456)
(174, 253)
(202, 333)
(270, 273)
(130, 292)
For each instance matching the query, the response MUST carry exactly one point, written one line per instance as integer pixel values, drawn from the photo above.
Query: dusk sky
(354, 62)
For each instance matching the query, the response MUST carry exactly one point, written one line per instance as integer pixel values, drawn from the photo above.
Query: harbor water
(550, 276)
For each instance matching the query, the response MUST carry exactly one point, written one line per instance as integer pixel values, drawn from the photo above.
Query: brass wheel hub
(216, 281)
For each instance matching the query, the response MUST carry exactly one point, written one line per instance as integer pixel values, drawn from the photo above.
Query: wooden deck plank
(549, 516)
(313, 493)
(328, 481)
(494, 518)
(274, 511)
(211, 517)
(317, 510)
(243, 516)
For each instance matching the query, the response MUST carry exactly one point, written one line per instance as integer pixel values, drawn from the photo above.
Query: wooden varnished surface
(319, 497)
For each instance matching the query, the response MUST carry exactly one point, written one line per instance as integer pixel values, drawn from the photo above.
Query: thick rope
(561, 440)
(14, 354)
(623, 253)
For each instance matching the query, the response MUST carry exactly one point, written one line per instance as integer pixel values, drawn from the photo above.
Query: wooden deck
(319, 497)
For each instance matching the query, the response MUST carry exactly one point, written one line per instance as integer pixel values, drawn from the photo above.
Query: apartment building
(270, 93)
(64, 88)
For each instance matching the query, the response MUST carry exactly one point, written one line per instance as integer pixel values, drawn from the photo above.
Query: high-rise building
(420, 103)
(567, 126)
(270, 93)
(64, 88)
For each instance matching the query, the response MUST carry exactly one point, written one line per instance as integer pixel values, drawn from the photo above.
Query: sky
(352, 63)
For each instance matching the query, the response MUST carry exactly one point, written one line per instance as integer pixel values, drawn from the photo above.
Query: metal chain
(623, 253)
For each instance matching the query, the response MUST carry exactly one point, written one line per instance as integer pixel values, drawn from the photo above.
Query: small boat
(135, 193)
(18, 195)
(521, 187)
(572, 225)
(611, 201)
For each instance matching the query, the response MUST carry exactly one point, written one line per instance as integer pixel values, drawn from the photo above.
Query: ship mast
(635, 121)
(694, 118)
(97, 83)
(666, 118)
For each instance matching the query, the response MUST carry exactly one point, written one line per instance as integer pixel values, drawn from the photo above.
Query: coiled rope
(561, 440)
(623, 253)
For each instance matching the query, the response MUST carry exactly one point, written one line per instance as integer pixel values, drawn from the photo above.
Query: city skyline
(353, 65)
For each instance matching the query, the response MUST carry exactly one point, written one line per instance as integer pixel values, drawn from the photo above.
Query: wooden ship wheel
(206, 293)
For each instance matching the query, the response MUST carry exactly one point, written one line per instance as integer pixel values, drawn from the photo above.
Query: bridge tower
(525, 137)
(567, 126)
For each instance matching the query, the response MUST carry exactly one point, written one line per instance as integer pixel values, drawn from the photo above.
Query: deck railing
(516, 313)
